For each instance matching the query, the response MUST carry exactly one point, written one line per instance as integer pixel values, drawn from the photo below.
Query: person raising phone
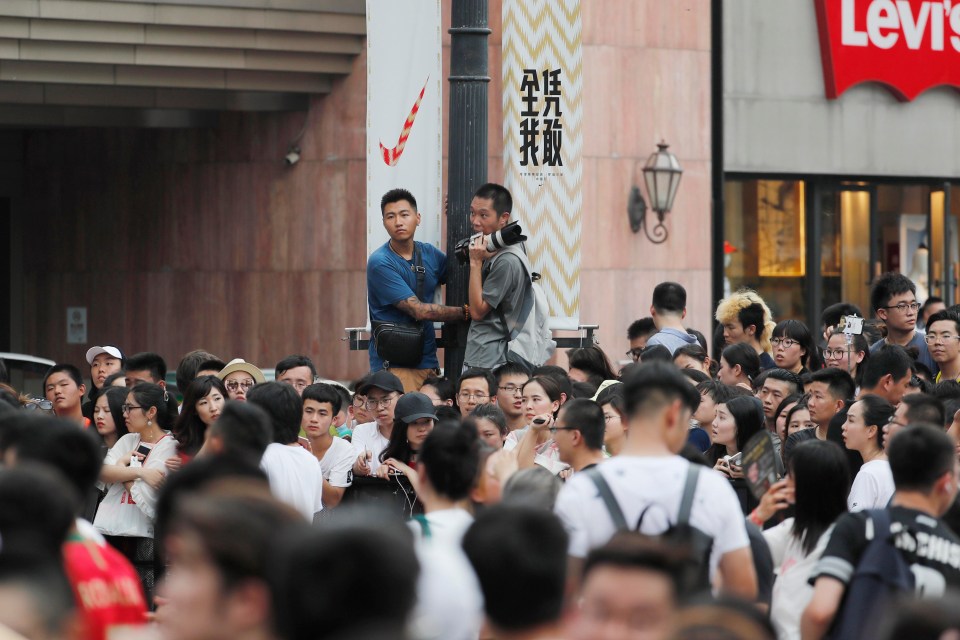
(737, 421)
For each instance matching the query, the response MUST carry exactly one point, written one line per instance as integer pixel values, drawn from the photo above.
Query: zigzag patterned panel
(545, 36)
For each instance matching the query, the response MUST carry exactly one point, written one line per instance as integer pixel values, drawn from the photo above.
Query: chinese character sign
(542, 64)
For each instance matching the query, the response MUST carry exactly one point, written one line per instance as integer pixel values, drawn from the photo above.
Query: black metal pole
(467, 154)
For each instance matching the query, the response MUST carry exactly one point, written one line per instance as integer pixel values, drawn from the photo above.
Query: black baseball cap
(414, 406)
(381, 380)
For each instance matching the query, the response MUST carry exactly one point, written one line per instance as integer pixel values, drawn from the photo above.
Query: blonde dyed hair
(730, 307)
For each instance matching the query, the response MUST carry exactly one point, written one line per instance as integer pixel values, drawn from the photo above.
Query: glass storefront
(805, 244)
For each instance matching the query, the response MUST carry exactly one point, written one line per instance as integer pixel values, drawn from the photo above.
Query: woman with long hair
(863, 433)
(108, 415)
(534, 444)
(739, 365)
(693, 356)
(490, 423)
(851, 358)
(794, 348)
(202, 403)
(414, 417)
(133, 471)
(780, 415)
(817, 480)
(737, 421)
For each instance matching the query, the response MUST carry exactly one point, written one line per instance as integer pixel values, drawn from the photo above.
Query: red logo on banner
(908, 45)
(392, 156)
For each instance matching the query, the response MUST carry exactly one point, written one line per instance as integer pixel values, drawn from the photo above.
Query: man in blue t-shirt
(894, 300)
(392, 286)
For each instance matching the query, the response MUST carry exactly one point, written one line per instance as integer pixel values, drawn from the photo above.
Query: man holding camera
(498, 281)
(401, 276)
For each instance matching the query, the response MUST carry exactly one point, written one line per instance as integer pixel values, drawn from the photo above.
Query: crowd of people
(514, 500)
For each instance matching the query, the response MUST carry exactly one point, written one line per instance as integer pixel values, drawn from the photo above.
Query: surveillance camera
(293, 157)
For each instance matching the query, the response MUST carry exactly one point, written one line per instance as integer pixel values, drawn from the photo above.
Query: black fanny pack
(401, 345)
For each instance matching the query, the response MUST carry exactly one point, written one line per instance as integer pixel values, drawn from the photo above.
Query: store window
(765, 238)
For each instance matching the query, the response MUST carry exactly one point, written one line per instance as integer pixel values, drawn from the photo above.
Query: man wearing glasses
(382, 390)
(943, 340)
(894, 300)
(578, 432)
(510, 380)
(475, 388)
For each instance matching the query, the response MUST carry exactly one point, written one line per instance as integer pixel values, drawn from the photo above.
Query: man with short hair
(943, 340)
(931, 305)
(924, 468)
(648, 473)
(394, 294)
(321, 403)
(578, 433)
(916, 408)
(638, 333)
(630, 578)
(832, 315)
(828, 392)
(189, 368)
(887, 374)
(668, 309)
(499, 283)
(243, 430)
(294, 473)
(297, 371)
(518, 556)
(777, 385)
(510, 379)
(894, 300)
(746, 318)
(146, 367)
(381, 391)
(475, 387)
(63, 386)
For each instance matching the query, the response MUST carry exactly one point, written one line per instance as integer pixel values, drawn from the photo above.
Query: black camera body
(509, 235)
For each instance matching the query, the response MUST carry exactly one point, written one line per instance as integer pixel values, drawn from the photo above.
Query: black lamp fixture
(661, 174)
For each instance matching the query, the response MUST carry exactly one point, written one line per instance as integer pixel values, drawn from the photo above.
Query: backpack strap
(606, 494)
(689, 489)
(418, 270)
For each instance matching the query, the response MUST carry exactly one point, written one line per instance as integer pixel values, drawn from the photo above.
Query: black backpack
(695, 576)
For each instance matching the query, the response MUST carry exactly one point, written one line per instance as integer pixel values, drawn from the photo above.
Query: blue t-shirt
(390, 279)
(920, 343)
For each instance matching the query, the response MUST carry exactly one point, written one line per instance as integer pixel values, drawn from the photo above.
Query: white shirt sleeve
(142, 493)
(777, 539)
(341, 467)
(570, 509)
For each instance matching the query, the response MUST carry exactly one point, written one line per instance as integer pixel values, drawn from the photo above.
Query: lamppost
(661, 174)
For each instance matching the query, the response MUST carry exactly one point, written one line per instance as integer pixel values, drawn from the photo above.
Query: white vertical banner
(542, 63)
(404, 119)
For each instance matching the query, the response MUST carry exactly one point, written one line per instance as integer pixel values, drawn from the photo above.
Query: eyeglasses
(359, 401)
(903, 306)
(555, 429)
(511, 389)
(127, 407)
(473, 396)
(786, 343)
(932, 338)
(608, 418)
(833, 354)
(299, 386)
(893, 421)
(234, 385)
(382, 403)
(634, 353)
(43, 405)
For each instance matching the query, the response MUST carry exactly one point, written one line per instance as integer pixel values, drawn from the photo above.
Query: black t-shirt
(928, 546)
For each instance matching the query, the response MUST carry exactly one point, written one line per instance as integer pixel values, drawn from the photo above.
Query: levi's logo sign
(907, 45)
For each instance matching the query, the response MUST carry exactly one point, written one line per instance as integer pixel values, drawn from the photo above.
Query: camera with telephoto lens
(510, 234)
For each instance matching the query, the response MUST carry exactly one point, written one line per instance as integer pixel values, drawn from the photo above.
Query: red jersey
(106, 587)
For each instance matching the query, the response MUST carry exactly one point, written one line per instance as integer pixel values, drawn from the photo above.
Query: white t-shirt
(641, 481)
(872, 488)
(367, 437)
(547, 454)
(295, 477)
(449, 601)
(791, 591)
(115, 517)
(337, 463)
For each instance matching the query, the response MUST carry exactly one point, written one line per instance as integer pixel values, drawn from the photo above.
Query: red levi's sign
(908, 45)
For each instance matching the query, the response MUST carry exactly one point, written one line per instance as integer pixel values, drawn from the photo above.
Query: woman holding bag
(133, 471)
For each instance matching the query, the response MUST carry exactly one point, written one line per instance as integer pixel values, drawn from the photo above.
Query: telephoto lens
(510, 234)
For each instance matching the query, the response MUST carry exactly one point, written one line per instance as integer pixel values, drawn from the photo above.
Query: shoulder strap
(419, 270)
(616, 514)
(689, 489)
